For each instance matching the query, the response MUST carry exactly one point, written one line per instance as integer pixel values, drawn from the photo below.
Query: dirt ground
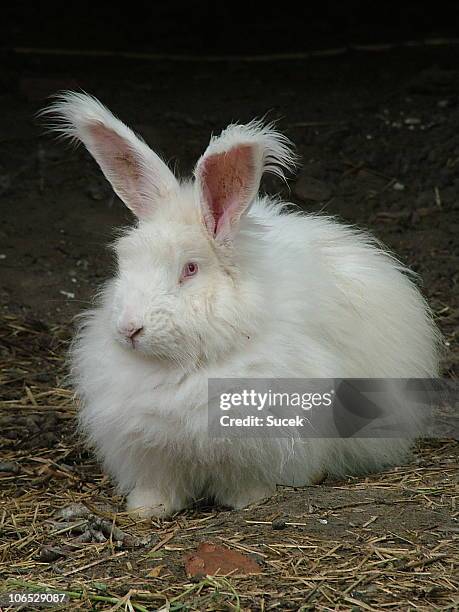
(378, 138)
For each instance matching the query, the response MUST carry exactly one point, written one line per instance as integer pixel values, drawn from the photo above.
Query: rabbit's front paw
(246, 497)
(151, 502)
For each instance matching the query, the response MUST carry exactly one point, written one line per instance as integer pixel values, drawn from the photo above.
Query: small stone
(278, 524)
(412, 121)
(398, 186)
(68, 294)
(48, 554)
(9, 467)
(72, 512)
(212, 559)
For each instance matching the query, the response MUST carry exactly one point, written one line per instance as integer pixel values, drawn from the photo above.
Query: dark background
(223, 27)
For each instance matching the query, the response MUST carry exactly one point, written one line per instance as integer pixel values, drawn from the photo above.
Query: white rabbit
(215, 281)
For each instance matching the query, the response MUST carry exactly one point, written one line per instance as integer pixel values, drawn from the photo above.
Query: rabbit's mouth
(172, 350)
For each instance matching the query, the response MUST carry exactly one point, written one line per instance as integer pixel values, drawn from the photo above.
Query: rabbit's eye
(189, 269)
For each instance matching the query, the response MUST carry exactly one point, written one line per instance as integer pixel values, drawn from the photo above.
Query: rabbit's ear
(139, 177)
(228, 174)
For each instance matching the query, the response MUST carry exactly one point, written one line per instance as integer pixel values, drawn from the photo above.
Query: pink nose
(131, 331)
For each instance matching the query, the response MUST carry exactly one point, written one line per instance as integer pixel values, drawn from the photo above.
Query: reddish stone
(212, 559)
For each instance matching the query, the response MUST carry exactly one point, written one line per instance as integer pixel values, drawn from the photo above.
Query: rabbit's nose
(131, 331)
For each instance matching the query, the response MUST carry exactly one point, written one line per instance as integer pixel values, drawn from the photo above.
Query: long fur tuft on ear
(72, 112)
(276, 149)
(136, 173)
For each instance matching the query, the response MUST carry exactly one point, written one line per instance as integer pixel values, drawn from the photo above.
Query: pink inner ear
(116, 151)
(227, 181)
(120, 165)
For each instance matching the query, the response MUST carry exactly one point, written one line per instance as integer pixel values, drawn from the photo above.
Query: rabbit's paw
(247, 496)
(151, 502)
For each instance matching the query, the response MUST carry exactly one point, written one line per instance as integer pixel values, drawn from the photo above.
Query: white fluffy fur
(292, 296)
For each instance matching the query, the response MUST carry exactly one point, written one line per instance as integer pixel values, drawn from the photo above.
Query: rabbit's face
(175, 296)
(183, 292)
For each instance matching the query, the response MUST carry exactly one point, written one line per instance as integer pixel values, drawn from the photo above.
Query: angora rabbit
(215, 281)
